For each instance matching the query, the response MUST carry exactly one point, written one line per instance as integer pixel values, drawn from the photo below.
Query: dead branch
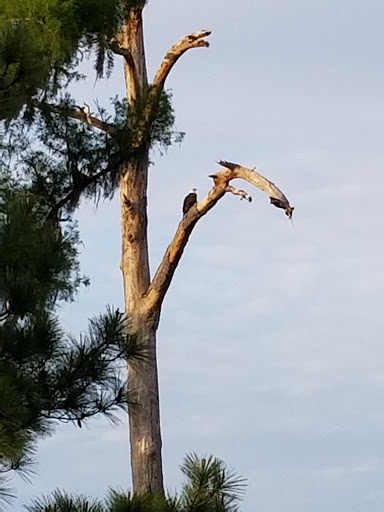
(195, 40)
(71, 194)
(277, 198)
(165, 272)
(238, 192)
(163, 277)
(76, 113)
(87, 111)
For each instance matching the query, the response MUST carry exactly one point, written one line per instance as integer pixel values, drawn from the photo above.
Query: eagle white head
(189, 200)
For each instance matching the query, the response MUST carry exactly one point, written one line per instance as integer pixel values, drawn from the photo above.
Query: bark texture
(144, 416)
(143, 297)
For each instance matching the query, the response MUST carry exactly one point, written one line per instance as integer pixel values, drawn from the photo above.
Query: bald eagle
(190, 200)
(280, 204)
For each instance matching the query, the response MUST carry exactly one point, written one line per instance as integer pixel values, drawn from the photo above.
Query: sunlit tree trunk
(144, 296)
(144, 417)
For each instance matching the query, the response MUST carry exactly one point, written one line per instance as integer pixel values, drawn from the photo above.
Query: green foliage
(210, 487)
(21, 71)
(63, 502)
(135, 4)
(41, 45)
(74, 160)
(129, 119)
(48, 161)
(46, 375)
(118, 501)
(40, 42)
(162, 134)
(52, 273)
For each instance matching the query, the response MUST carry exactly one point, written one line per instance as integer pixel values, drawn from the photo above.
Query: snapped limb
(165, 272)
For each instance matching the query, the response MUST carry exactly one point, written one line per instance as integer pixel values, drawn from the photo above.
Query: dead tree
(144, 295)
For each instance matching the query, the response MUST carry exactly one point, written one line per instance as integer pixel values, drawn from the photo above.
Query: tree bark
(143, 299)
(144, 415)
(132, 38)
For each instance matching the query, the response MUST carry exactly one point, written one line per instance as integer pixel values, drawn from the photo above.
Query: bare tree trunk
(143, 298)
(144, 417)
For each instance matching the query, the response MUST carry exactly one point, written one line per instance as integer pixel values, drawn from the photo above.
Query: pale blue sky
(271, 352)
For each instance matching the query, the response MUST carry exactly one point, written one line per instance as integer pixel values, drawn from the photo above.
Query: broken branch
(163, 277)
(238, 192)
(195, 40)
(277, 198)
(166, 270)
(72, 194)
(76, 113)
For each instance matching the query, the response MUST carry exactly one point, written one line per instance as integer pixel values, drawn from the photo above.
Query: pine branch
(74, 193)
(86, 380)
(165, 272)
(79, 113)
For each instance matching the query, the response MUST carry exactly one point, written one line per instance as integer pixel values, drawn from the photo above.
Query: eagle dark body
(280, 204)
(277, 203)
(189, 201)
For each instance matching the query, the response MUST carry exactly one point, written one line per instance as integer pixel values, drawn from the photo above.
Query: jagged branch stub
(194, 40)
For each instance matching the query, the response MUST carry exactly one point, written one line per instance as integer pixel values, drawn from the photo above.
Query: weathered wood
(76, 113)
(143, 299)
(131, 37)
(134, 221)
(130, 63)
(144, 417)
(195, 40)
(252, 176)
(165, 272)
(238, 192)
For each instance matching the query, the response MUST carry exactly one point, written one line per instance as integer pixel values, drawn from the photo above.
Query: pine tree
(45, 375)
(82, 153)
(209, 486)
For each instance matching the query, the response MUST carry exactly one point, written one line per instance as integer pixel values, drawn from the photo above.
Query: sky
(271, 352)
